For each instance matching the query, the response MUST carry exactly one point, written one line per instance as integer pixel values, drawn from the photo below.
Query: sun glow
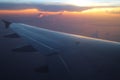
(24, 11)
(81, 2)
(115, 10)
(89, 3)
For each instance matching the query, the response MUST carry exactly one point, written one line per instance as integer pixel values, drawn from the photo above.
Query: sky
(94, 18)
(72, 2)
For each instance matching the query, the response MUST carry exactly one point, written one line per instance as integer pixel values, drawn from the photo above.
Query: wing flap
(26, 48)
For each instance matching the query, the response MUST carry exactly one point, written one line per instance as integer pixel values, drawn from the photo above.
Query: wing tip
(7, 23)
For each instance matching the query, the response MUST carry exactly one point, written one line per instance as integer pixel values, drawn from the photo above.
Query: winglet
(7, 23)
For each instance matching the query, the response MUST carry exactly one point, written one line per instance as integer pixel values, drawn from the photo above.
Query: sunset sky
(72, 2)
(95, 18)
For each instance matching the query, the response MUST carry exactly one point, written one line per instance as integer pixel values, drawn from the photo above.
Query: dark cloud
(45, 7)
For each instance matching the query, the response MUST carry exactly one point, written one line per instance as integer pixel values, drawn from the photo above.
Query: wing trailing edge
(26, 48)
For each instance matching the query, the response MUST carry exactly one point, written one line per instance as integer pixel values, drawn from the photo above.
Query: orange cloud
(29, 12)
(109, 11)
(103, 10)
(24, 11)
(46, 13)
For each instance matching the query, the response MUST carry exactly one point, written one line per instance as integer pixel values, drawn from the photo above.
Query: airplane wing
(73, 57)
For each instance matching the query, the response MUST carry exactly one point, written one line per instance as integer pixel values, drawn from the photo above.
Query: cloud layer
(44, 7)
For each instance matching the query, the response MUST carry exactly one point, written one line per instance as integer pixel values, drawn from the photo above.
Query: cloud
(31, 12)
(44, 7)
(43, 14)
(101, 10)
(114, 10)
(23, 12)
(41, 10)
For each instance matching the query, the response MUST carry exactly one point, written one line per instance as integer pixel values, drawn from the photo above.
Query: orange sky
(24, 11)
(94, 11)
